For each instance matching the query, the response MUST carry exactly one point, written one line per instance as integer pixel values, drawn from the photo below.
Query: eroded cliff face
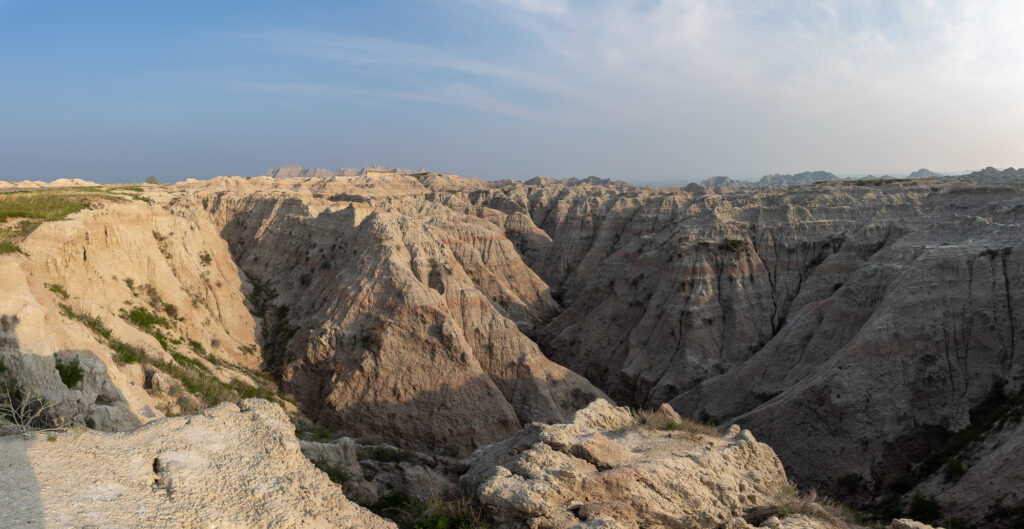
(855, 328)
(401, 319)
(116, 289)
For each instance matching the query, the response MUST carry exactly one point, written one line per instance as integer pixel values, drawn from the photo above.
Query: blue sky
(649, 91)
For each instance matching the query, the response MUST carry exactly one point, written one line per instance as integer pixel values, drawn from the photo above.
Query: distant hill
(924, 173)
(798, 179)
(297, 171)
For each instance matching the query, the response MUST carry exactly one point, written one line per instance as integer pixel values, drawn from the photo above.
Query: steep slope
(122, 312)
(395, 318)
(856, 326)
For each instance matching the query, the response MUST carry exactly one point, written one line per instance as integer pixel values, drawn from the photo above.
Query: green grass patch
(197, 347)
(161, 339)
(127, 353)
(9, 247)
(94, 323)
(189, 362)
(41, 205)
(144, 319)
(197, 380)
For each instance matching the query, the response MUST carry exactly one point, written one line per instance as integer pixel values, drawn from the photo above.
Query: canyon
(869, 332)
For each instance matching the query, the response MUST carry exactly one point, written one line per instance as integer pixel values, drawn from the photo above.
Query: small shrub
(22, 409)
(66, 311)
(144, 319)
(71, 372)
(153, 296)
(59, 290)
(924, 508)
(205, 258)
(90, 423)
(196, 347)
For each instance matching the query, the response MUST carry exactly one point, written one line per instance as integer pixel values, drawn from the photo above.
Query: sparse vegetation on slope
(70, 372)
(37, 206)
(448, 512)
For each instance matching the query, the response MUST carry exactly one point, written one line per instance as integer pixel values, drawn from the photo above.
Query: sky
(649, 91)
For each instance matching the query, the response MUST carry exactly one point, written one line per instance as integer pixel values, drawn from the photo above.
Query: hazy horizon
(652, 92)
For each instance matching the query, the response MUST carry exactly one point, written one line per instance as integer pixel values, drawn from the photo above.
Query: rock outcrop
(608, 468)
(231, 466)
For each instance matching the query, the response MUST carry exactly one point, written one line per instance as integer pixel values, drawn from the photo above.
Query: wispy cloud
(789, 84)
(451, 94)
(481, 84)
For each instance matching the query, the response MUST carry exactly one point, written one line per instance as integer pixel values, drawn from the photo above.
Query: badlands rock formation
(39, 184)
(407, 320)
(231, 466)
(870, 331)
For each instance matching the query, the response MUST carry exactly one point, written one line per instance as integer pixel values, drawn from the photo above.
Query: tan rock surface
(633, 476)
(229, 466)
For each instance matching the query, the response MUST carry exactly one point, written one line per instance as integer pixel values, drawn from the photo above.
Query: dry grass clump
(660, 420)
(809, 504)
